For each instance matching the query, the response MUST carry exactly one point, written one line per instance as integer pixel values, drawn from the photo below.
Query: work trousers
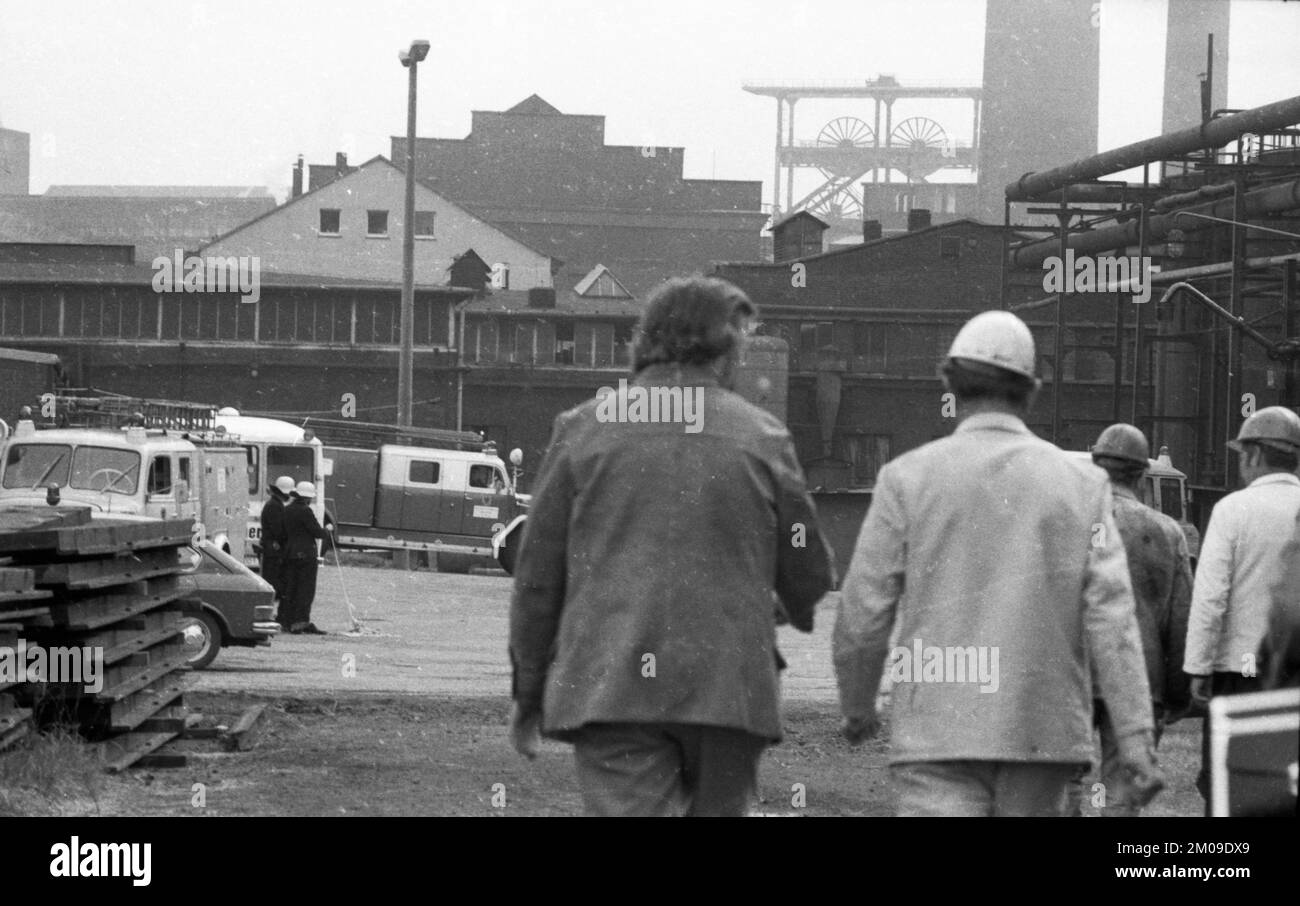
(666, 769)
(273, 572)
(299, 591)
(980, 789)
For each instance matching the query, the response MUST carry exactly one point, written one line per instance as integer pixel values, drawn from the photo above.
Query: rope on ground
(358, 628)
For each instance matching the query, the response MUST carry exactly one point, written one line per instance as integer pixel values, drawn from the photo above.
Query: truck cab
(1164, 488)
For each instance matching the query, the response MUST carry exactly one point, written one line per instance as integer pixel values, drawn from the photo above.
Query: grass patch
(50, 773)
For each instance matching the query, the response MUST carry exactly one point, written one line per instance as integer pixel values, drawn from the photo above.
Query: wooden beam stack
(109, 586)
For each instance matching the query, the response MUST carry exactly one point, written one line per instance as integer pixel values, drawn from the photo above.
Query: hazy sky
(207, 92)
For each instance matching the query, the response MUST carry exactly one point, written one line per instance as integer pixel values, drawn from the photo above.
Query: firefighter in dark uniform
(302, 531)
(272, 542)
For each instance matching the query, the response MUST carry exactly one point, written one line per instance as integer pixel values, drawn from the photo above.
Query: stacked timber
(105, 592)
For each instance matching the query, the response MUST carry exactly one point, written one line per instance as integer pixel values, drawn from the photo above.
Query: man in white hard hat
(302, 531)
(272, 540)
(1242, 559)
(997, 557)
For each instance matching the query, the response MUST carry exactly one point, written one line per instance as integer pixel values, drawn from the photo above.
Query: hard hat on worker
(284, 484)
(1275, 426)
(306, 490)
(996, 338)
(1124, 442)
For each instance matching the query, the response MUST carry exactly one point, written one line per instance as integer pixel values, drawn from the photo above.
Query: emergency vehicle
(273, 448)
(421, 489)
(131, 457)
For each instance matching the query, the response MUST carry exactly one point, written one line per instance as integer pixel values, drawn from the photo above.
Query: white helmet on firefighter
(1275, 426)
(306, 490)
(996, 338)
(284, 484)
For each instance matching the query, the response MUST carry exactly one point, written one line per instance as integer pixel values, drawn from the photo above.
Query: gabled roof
(588, 285)
(807, 215)
(533, 105)
(74, 191)
(377, 159)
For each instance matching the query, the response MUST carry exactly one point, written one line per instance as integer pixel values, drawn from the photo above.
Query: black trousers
(299, 591)
(1220, 684)
(273, 572)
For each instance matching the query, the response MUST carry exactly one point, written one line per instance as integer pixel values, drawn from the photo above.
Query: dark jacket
(644, 590)
(273, 537)
(1162, 589)
(301, 531)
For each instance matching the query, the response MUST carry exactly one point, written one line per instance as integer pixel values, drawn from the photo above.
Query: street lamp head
(405, 57)
(419, 50)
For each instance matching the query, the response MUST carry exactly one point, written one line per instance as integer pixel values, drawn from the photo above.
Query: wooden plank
(126, 678)
(6, 597)
(37, 528)
(162, 760)
(107, 536)
(31, 614)
(243, 735)
(102, 572)
(171, 719)
(13, 579)
(130, 712)
(124, 750)
(93, 612)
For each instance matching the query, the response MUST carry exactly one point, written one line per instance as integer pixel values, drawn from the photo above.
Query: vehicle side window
(253, 469)
(481, 477)
(184, 470)
(160, 475)
(1171, 498)
(423, 472)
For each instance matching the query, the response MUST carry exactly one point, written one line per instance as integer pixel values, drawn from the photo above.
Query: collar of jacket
(1275, 478)
(676, 375)
(993, 421)
(1119, 490)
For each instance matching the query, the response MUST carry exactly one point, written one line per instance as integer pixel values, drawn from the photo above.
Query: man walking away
(1161, 575)
(642, 628)
(272, 542)
(302, 531)
(1242, 561)
(991, 548)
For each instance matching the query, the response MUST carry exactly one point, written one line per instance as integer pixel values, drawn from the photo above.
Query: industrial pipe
(1214, 134)
(1274, 350)
(1268, 200)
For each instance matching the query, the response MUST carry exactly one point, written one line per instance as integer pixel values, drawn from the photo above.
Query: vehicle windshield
(296, 462)
(1171, 497)
(105, 469)
(37, 465)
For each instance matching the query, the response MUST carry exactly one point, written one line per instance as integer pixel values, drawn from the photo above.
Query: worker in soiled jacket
(1161, 575)
(998, 558)
(272, 542)
(642, 627)
(302, 531)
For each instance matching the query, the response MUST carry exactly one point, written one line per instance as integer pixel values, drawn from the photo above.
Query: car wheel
(202, 640)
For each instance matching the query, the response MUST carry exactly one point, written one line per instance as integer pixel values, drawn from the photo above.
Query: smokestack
(297, 177)
(871, 230)
(341, 163)
(918, 219)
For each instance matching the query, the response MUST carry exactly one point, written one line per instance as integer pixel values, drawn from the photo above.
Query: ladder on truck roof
(372, 435)
(91, 408)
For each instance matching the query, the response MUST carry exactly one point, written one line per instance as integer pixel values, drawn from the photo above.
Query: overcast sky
(207, 92)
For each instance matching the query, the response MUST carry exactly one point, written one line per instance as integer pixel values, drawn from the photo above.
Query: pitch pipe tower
(849, 150)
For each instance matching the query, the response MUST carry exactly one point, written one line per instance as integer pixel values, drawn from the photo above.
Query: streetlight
(406, 354)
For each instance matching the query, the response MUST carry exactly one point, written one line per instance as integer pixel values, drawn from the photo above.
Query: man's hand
(525, 731)
(858, 730)
(1200, 691)
(1137, 760)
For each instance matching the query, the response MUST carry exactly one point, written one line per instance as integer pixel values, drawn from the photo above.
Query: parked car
(237, 605)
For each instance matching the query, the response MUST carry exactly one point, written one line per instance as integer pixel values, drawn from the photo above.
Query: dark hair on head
(977, 381)
(690, 321)
(1274, 458)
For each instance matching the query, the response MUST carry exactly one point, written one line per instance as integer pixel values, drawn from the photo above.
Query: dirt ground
(407, 717)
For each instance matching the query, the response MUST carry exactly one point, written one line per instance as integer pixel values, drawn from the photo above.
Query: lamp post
(406, 354)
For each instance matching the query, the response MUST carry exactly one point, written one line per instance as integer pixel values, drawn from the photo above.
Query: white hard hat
(996, 338)
(1275, 426)
(306, 490)
(284, 484)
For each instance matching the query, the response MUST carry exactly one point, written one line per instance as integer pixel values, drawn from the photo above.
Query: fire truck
(417, 489)
(126, 456)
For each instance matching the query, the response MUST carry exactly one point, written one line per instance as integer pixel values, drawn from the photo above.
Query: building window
(866, 453)
(593, 345)
(869, 348)
(483, 343)
(815, 335)
(564, 343)
(329, 221)
(424, 224)
(377, 223)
